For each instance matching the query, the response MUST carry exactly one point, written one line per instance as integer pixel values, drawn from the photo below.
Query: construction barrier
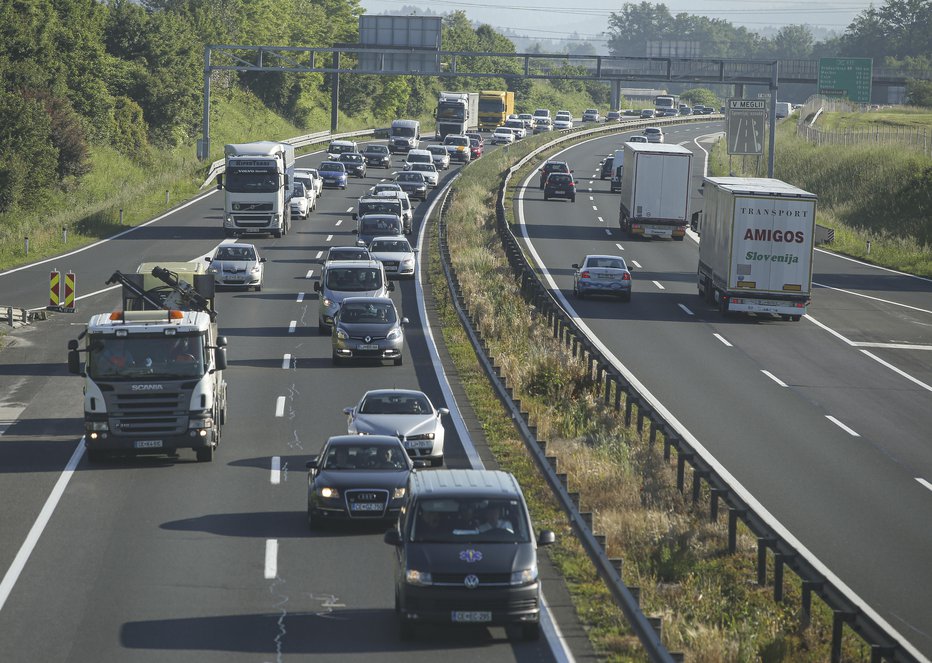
(69, 293)
(54, 289)
(57, 302)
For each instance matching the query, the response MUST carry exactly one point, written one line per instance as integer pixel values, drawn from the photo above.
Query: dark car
(552, 167)
(606, 170)
(368, 328)
(465, 552)
(357, 477)
(560, 185)
(347, 253)
(477, 136)
(355, 163)
(412, 183)
(377, 155)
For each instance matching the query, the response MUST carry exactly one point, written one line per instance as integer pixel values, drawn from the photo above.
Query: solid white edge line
(271, 559)
(32, 538)
(871, 297)
(276, 473)
(280, 406)
(774, 378)
(898, 371)
(850, 431)
(286, 361)
(693, 442)
(558, 645)
(686, 309)
(722, 339)
(919, 479)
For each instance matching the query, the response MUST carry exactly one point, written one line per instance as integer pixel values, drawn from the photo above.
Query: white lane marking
(286, 361)
(276, 475)
(601, 220)
(19, 562)
(608, 232)
(685, 309)
(329, 237)
(620, 247)
(339, 221)
(919, 479)
(309, 274)
(867, 264)
(722, 339)
(319, 254)
(657, 283)
(280, 406)
(291, 326)
(271, 559)
(595, 209)
(591, 198)
(636, 264)
(848, 430)
(774, 378)
(349, 209)
(876, 299)
(300, 297)
(589, 189)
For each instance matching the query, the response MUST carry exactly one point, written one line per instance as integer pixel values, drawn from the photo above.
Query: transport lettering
(768, 235)
(787, 258)
(779, 213)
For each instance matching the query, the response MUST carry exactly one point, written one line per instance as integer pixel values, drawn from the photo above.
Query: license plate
(368, 347)
(610, 277)
(559, 192)
(418, 444)
(235, 278)
(147, 444)
(366, 506)
(472, 617)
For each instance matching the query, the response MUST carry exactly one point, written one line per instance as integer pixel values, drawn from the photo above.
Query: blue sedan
(333, 173)
(602, 275)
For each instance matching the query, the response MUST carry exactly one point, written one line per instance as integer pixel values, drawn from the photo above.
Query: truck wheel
(205, 455)
(723, 305)
(311, 520)
(709, 292)
(96, 455)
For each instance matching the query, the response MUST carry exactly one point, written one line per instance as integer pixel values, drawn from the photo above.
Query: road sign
(54, 289)
(745, 124)
(846, 77)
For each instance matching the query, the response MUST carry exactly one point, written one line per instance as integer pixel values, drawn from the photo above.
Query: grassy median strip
(711, 605)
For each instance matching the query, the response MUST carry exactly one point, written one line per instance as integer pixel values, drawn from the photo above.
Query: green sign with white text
(846, 77)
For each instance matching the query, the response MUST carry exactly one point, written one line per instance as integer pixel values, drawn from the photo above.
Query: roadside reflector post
(54, 289)
(64, 235)
(69, 292)
(26, 244)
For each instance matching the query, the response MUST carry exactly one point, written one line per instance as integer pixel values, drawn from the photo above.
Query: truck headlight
(418, 578)
(524, 577)
(96, 425)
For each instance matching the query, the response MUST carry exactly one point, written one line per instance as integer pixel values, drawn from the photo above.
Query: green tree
(28, 160)
(792, 41)
(919, 93)
(898, 28)
(702, 96)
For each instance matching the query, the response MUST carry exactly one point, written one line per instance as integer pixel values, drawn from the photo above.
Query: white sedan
(403, 413)
(237, 264)
(395, 254)
(428, 170)
(502, 136)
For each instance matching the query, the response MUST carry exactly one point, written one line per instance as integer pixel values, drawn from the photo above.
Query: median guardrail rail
(621, 389)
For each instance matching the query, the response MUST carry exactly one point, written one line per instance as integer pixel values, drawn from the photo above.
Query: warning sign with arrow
(745, 125)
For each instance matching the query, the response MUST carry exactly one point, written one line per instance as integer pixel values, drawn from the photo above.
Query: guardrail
(217, 166)
(619, 388)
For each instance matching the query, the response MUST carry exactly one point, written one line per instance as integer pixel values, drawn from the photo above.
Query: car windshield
(235, 253)
(298, 189)
(354, 279)
(437, 149)
(368, 313)
(410, 177)
(390, 246)
(338, 148)
(424, 167)
(469, 520)
(376, 149)
(351, 158)
(456, 140)
(555, 167)
(473, 142)
(388, 186)
(380, 226)
(386, 206)
(348, 253)
(364, 457)
(396, 403)
(150, 355)
(333, 167)
(607, 262)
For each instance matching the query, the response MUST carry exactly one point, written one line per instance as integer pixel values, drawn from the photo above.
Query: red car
(552, 167)
(475, 148)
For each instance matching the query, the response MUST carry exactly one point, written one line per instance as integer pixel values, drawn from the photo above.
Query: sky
(558, 19)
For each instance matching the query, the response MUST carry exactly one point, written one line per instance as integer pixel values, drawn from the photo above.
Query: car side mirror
(261, 259)
(209, 259)
(443, 410)
(546, 538)
(575, 265)
(354, 230)
(347, 410)
(391, 287)
(405, 321)
(393, 537)
(312, 463)
(316, 286)
(359, 242)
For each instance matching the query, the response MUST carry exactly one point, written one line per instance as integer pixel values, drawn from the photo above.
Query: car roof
(384, 392)
(596, 256)
(353, 263)
(237, 245)
(382, 215)
(368, 300)
(465, 483)
(389, 238)
(379, 440)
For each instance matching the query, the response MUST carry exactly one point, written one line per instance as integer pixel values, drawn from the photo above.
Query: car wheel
(312, 523)
(573, 199)
(399, 361)
(258, 287)
(436, 462)
(530, 632)
(205, 455)
(405, 629)
(546, 197)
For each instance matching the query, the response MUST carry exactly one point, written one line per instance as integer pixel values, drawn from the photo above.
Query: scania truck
(257, 184)
(756, 250)
(457, 113)
(654, 190)
(153, 376)
(494, 108)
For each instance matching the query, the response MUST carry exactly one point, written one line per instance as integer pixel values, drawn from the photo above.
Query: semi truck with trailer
(457, 113)
(153, 374)
(494, 108)
(257, 188)
(756, 250)
(655, 190)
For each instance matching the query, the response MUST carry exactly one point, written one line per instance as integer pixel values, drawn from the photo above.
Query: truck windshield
(251, 180)
(146, 355)
(454, 112)
(469, 520)
(491, 106)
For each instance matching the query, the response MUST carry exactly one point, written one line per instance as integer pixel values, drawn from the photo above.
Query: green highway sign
(846, 77)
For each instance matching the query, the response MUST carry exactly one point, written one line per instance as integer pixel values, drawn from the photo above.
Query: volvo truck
(457, 113)
(654, 190)
(257, 188)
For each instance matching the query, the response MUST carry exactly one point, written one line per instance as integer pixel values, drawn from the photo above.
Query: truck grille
(157, 413)
(251, 220)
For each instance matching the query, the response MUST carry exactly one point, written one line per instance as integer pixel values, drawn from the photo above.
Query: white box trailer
(756, 250)
(655, 190)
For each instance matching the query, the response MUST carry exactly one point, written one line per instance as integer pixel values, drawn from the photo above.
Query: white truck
(655, 190)
(404, 135)
(457, 113)
(257, 185)
(618, 169)
(153, 375)
(756, 250)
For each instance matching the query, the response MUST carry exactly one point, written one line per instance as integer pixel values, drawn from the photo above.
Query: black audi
(359, 478)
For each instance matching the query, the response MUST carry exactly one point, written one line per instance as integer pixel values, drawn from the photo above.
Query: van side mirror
(391, 286)
(355, 216)
(221, 341)
(312, 463)
(393, 537)
(546, 537)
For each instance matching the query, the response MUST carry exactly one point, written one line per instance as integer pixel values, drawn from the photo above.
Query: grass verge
(711, 605)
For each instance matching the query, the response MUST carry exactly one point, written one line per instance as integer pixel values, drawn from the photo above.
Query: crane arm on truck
(183, 295)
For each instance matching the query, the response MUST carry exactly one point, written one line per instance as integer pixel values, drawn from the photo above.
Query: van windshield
(403, 132)
(354, 279)
(470, 520)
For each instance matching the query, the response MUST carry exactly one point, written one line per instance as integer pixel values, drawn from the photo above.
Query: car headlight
(341, 334)
(394, 334)
(329, 493)
(408, 261)
(255, 270)
(422, 436)
(525, 576)
(418, 578)
(328, 302)
(398, 493)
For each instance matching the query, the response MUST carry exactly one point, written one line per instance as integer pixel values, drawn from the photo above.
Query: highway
(156, 559)
(825, 421)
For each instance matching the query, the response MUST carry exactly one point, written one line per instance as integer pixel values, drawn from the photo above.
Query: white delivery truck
(257, 184)
(457, 113)
(655, 190)
(756, 250)
(404, 135)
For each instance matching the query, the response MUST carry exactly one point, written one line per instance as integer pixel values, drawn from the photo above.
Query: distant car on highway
(637, 139)
(647, 113)
(237, 265)
(412, 183)
(613, 116)
(368, 328)
(440, 156)
(602, 275)
(502, 136)
(552, 167)
(590, 115)
(653, 134)
(347, 253)
(396, 255)
(377, 154)
(560, 185)
(333, 174)
(428, 170)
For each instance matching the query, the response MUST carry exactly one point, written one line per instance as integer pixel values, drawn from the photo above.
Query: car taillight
(584, 275)
(626, 277)
(572, 184)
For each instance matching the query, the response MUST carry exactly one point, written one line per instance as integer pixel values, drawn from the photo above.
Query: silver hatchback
(368, 328)
(347, 278)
